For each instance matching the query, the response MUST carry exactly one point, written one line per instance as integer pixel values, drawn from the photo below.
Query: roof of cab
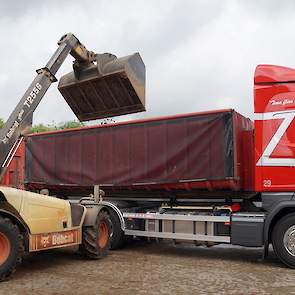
(273, 74)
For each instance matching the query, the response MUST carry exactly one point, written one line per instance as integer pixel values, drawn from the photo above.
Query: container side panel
(197, 151)
(104, 156)
(73, 161)
(88, 159)
(206, 148)
(157, 153)
(220, 147)
(41, 159)
(62, 162)
(176, 149)
(138, 153)
(121, 156)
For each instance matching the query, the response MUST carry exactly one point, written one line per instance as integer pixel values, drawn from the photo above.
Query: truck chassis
(237, 224)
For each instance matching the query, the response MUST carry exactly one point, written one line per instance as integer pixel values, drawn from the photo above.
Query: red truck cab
(274, 95)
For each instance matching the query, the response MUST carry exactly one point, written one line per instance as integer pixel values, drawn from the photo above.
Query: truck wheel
(96, 238)
(11, 248)
(117, 235)
(283, 240)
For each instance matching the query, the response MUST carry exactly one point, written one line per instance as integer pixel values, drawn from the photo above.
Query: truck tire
(117, 235)
(96, 238)
(283, 240)
(11, 248)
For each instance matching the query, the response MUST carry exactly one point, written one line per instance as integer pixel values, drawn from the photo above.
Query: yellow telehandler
(100, 86)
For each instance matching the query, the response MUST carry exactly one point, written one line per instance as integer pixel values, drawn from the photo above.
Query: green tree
(61, 126)
(70, 125)
(42, 128)
(1, 123)
(51, 127)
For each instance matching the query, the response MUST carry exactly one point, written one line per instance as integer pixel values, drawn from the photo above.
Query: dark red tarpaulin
(203, 150)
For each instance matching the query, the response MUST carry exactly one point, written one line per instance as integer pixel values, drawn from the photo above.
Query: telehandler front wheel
(96, 238)
(11, 248)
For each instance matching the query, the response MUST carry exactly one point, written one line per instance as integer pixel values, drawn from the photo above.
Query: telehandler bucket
(109, 87)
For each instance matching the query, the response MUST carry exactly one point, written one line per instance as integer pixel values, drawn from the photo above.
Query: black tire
(11, 248)
(282, 227)
(95, 239)
(117, 235)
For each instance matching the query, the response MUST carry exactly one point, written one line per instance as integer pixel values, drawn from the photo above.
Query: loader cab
(274, 104)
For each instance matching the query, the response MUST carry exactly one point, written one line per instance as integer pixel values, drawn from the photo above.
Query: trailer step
(179, 226)
(178, 236)
(159, 216)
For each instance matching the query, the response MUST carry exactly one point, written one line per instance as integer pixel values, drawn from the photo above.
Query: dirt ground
(144, 268)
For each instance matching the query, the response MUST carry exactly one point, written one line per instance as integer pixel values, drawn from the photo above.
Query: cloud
(199, 55)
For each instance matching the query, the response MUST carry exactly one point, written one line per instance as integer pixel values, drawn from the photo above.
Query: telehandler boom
(101, 85)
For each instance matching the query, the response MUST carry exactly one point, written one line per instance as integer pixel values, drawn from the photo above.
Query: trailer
(189, 151)
(207, 178)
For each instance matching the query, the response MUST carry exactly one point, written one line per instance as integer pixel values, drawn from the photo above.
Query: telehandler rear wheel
(96, 238)
(11, 248)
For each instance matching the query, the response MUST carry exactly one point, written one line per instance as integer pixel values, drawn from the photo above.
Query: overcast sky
(199, 55)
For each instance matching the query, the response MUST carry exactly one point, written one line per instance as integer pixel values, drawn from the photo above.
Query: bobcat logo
(45, 241)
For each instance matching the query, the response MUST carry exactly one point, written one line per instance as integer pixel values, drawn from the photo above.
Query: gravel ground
(143, 268)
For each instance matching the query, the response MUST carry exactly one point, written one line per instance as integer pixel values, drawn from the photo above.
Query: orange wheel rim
(103, 234)
(4, 248)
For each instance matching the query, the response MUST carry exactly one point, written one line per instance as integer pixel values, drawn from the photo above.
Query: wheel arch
(116, 210)
(92, 213)
(7, 210)
(279, 211)
(2, 197)
(17, 220)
